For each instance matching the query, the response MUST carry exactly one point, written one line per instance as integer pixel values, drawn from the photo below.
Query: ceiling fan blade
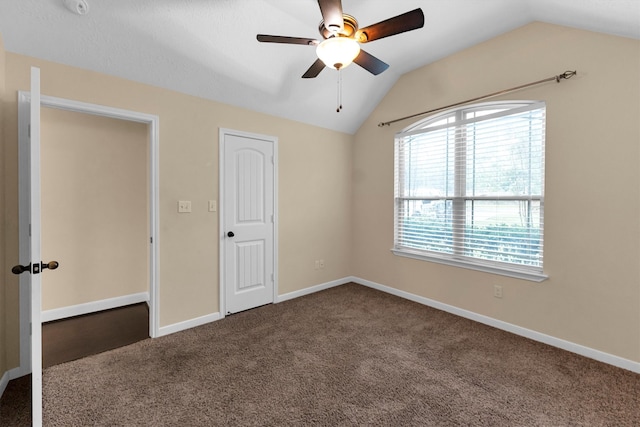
(370, 63)
(332, 14)
(314, 70)
(398, 24)
(265, 38)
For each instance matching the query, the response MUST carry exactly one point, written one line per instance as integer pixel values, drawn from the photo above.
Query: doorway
(151, 123)
(248, 220)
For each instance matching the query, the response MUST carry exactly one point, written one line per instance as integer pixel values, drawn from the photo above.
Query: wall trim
(93, 306)
(188, 324)
(589, 352)
(18, 372)
(313, 289)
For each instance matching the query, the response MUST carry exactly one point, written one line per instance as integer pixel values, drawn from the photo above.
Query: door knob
(19, 269)
(230, 234)
(51, 265)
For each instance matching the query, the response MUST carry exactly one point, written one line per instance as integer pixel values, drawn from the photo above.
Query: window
(469, 188)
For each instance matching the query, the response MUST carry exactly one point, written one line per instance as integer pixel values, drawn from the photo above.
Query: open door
(30, 256)
(34, 246)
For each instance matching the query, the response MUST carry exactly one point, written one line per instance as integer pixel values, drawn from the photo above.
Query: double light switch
(184, 206)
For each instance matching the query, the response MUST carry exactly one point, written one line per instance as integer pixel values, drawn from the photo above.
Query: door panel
(248, 221)
(250, 186)
(250, 259)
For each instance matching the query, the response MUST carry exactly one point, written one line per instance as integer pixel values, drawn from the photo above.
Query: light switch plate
(213, 206)
(184, 206)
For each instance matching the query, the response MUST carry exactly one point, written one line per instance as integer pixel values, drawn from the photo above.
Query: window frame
(459, 199)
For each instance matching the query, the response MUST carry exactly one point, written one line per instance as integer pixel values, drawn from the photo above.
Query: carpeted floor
(345, 356)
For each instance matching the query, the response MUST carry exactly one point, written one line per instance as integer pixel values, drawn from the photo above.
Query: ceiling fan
(342, 38)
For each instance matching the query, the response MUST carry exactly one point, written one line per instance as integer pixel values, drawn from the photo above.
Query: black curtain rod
(565, 75)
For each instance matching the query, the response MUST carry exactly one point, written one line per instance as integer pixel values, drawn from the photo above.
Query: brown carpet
(345, 356)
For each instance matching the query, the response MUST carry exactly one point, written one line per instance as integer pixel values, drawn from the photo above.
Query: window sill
(478, 266)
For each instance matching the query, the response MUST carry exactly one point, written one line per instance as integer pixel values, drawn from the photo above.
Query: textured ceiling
(208, 48)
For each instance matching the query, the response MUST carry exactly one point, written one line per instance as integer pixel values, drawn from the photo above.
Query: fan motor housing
(350, 27)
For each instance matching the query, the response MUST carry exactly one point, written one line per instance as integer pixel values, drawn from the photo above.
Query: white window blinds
(469, 186)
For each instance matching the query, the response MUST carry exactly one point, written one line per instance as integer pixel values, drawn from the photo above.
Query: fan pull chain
(339, 91)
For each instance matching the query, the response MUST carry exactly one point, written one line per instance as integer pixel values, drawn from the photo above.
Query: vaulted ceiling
(208, 48)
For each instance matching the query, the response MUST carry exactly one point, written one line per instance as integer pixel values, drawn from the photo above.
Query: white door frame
(221, 225)
(152, 121)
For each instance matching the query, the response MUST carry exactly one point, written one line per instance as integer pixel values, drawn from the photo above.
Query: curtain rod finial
(566, 75)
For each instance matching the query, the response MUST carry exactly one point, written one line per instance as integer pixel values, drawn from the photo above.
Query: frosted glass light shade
(338, 52)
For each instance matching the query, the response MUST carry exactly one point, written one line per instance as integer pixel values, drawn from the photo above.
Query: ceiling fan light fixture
(338, 52)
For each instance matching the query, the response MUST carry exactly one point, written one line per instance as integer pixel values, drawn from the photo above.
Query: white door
(30, 256)
(248, 220)
(36, 282)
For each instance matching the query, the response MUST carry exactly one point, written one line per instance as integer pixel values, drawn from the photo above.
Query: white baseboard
(199, 321)
(514, 329)
(188, 324)
(313, 289)
(94, 306)
(3, 383)
(19, 372)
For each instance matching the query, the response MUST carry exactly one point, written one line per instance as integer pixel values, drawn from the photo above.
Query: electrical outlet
(321, 263)
(317, 265)
(497, 291)
(184, 206)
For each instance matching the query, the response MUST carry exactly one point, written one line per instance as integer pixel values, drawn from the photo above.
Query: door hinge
(272, 219)
(30, 328)
(273, 162)
(29, 130)
(29, 230)
(272, 277)
(151, 239)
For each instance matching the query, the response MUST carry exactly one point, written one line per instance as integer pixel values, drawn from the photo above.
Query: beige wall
(314, 187)
(592, 203)
(95, 219)
(3, 282)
